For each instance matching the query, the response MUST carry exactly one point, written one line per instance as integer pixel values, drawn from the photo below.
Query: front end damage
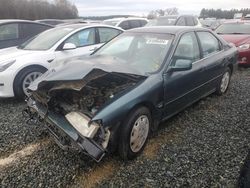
(68, 107)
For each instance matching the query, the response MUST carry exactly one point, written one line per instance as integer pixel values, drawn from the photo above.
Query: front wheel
(134, 133)
(25, 78)
(224, 83)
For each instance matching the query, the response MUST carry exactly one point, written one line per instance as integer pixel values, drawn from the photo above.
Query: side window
(187, 49)
(181, 21)
(143, 22)
(83, 38)
(190, 21)
(106, 34)
(124, 25)
(195, 21)
(28, 30)
(209, 43)
(9, 32)
(134, 24)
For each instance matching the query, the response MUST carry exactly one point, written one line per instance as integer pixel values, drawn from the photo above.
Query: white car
(126, 23)
(19, 66)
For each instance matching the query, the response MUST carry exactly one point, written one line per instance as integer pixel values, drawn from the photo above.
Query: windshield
(144, 52)
(234, 28)
(162, 21)
(46, 40)
(112, 23)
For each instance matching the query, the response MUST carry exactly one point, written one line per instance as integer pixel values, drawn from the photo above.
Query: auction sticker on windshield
(157, 41)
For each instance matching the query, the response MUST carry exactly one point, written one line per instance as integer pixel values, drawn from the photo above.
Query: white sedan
(19, 66)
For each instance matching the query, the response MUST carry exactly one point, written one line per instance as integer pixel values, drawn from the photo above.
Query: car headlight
(244, 47)
(6, 64)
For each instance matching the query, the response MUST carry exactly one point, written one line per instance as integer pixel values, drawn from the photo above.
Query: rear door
(213, 58)
(182, 88)
(105, 34)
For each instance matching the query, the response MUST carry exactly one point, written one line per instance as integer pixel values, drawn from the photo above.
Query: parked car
(15, 32)
(126, 23)
(211, 23)
(20, 66)
(117, 97)
(183, 20)
(238, 33)
(51, 21)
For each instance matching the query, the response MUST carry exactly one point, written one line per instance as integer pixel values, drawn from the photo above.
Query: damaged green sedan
(114, 99)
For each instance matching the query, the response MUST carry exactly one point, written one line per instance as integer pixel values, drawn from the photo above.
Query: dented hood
(77, 73)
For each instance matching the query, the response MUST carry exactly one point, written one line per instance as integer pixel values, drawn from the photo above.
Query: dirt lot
(204, 146)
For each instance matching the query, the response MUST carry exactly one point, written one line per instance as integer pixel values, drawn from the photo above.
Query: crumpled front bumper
(58, 125)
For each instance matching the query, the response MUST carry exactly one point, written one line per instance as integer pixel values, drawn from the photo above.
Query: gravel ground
(204, 146)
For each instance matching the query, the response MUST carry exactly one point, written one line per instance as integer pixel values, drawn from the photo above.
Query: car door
(181, 88)
(9, 35)
(212, 59)
(105, 34)
(85, 42)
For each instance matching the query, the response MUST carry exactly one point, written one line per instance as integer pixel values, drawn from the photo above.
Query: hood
(236, 39)
(13, 53)
(76, 74)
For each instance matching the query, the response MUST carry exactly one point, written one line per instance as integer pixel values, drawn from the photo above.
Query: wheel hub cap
(225, 82)
(29, 79)
(139, 133)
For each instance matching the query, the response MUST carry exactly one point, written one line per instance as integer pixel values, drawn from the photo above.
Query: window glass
(190, 21)
(9, 31)
(187, 49)
(83, 38)
(143, 22)
(195, 21)
(233, 28)
(134, 23)
(209, 43)
(141, 52)
(124, 25)
(106, 34)
(181, 21)
(46, 39)
(28, 30)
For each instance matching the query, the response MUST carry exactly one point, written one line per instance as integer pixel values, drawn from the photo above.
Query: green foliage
(37, 9)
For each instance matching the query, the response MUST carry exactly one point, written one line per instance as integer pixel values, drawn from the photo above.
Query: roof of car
(81, 25)
(18, 21)
(237, 22)
(125, 18)
(166, 29)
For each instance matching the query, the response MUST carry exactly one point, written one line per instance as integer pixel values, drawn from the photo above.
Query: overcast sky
(142, 7)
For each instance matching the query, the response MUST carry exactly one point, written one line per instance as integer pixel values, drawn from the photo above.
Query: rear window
(9, 32)
(234, 28)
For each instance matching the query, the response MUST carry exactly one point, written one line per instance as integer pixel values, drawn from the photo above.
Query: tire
(139, 118)
(224, 82)
(22, 75)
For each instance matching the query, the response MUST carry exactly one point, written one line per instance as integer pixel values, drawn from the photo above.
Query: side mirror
(69, 46)
(181, 65)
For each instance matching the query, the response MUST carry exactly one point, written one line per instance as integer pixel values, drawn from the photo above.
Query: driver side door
(85, 42)
(181, 88)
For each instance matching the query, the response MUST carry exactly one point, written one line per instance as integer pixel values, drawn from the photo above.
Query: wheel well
(31, 66)
(25, 68)
(231, 68)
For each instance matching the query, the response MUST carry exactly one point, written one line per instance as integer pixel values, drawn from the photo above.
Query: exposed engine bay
(92, 97)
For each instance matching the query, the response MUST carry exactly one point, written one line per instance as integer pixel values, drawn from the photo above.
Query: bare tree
(37, 9)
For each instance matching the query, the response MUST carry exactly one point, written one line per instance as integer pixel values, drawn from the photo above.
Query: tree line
(220, 14)
(37, 9)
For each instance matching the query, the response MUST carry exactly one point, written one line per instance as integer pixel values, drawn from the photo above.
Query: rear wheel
(224, 83)
(134, 133)
(24, 78)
